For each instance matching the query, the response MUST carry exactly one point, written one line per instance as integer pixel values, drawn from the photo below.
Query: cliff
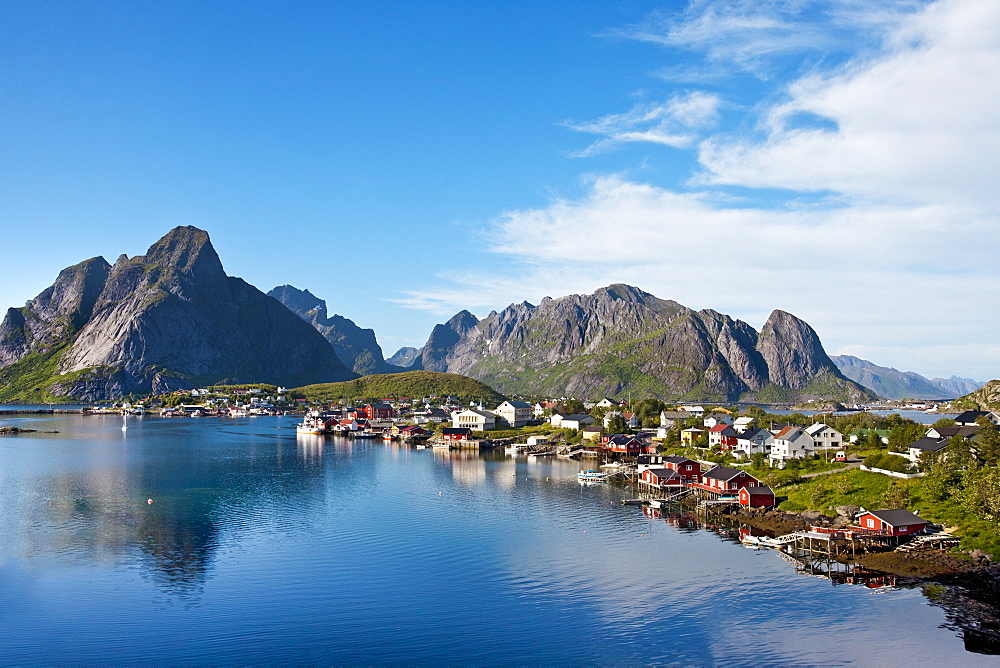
(165, 320)
(620, 339)
(357, 348)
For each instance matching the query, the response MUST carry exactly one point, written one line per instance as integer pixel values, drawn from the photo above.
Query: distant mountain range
(621, 340)
(357, 348)
(172, 319)
(894, 384)
(157, 322)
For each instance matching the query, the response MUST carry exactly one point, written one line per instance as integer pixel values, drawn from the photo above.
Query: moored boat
(592, 476)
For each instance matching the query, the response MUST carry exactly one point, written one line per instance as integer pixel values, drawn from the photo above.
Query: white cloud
(919, 124)
(668, 123)
(749, 34)
(896, 257)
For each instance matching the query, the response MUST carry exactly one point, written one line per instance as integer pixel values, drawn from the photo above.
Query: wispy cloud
(749, 34)
(670, 123)
(881, 226)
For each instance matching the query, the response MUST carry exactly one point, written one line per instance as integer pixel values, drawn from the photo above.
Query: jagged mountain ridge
(621, 339)
(357, 348)
(165, 320)
(894, 384)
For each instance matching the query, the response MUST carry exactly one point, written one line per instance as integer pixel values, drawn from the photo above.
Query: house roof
(664, 473)
(516, 404)
(788, 432)
(453, 431)
(929, 444)
(815, 428)
(897, 517)
(969, 416)
(723, 473)
(759, 489)
(675, 415)
(593, 429)
(575, 418)
(622, 439)
(678, 460)
(744, 420)
(752, 433)
(949, 432)
(485, 414)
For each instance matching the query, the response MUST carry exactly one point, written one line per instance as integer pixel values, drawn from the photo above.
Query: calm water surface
(263, 547)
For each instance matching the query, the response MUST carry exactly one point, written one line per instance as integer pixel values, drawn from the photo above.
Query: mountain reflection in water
(320, 550)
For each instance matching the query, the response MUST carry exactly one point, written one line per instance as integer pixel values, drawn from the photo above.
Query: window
(871, 523)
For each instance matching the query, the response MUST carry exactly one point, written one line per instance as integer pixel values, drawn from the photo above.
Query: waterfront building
(897, 522)
(474, 419)
(513, 414)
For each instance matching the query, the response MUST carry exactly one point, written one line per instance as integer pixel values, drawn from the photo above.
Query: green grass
(412, 384)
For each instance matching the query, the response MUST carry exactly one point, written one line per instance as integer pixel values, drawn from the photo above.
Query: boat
(592, 476)
(311, 423)
(365, 434)
(516, 449)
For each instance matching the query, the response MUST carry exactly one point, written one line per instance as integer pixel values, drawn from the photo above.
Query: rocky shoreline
(927, 564)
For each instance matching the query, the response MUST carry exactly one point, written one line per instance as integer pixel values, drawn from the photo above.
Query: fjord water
(263, 547)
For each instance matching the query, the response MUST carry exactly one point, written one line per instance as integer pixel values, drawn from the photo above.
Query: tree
(618, 425)
(897, 494)
(987, 441)
(944, 422)
(574, 407)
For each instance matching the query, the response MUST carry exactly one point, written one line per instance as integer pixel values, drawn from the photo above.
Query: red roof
(719, 427)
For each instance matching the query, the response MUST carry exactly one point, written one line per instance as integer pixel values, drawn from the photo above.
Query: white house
(474, 419)
(670, 418)
(513, 414)
(825, 437)
(741, 424)
(713, 419)
(697, 411)
(607, 403)
(631, 419)
(790, 443)
(576, 422)
(753, 440)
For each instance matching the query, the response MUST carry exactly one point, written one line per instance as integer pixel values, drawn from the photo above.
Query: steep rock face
(54, 315)
(956, 386)
(792, 351)
(404, 357)
(986, 398)
(357, 348)
(621, 339)
(171, 319)
(443, 339)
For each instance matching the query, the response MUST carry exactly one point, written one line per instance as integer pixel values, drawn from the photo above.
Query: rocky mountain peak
(792, 351)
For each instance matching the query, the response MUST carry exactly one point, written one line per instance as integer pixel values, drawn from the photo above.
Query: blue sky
(407, 160)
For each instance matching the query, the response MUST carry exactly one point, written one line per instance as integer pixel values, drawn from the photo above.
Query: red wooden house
(379, 411)
(896, 522)
(723, 436)
(757, 497)
(662, 478)
(456, 434)
(689, 469)
(724, 480)
(628, 445)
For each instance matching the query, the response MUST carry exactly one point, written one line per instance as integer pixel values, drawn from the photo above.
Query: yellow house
(689, 436)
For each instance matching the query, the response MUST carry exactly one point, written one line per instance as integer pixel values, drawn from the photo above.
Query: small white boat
(311, 423)
(592, 476)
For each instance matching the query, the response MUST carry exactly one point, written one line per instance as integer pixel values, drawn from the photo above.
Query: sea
(209, 541)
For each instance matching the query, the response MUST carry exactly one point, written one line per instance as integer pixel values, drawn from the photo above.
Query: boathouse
(624, 444)
(456, 434)
(662, 478)
(757, 497)
(724, 480)
(689, 469)
(897, 522)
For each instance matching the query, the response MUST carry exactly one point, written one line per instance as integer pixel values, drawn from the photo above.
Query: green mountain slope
(412, 384)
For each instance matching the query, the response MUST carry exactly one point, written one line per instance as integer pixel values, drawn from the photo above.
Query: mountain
(356, 347)
(986, 398)
(404, 357)
(166, 320)
(894, 384)
(412, 384)
(620, 340)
